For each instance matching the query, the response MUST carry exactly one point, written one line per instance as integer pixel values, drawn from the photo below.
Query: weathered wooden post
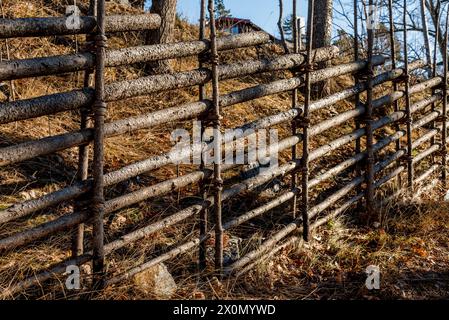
(358, 148)
(98, 160)
(369, 192)
(294, 124)
(408, 118)
(434, 74)
(83, 152)
(395, 83)
(204, 214)
(444, 116)
(216, 121)
(305, 123)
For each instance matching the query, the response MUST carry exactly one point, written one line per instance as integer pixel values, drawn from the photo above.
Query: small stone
(156, 282)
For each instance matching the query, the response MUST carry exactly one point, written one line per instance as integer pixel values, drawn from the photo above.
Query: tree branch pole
(369, 192)
(281, 28)
(12, 91)
(434, 71)
(56, 26)
(75, 99)
(426, 37)
(98, 200)
(216, 121)
(204, 214)
(305, 123)
(358, 148)
(394, 65)
(83, 154)
(444, 117)
(294, 124)
(408, 119)
(69, 221)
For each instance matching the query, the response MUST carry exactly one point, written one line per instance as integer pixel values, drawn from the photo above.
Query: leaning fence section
(363, 158)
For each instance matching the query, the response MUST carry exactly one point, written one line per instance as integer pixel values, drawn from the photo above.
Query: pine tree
(220, 10)
(288, 27)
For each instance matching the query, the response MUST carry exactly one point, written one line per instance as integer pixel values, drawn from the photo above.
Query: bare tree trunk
(434, 10)
(322, 32)
(165, 34)
(280, 26)
(322, 35)
(426, 38)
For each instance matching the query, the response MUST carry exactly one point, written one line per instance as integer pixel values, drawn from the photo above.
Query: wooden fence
(367, 168)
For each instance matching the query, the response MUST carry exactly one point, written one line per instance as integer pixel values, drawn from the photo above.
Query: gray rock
(156, 282)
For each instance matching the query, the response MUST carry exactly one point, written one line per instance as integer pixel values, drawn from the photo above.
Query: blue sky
(264, 13)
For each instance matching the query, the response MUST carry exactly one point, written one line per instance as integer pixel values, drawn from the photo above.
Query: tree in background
(288, 27)
(322, 37)
(322, 33)
(165, 34)
(220, 9)
(281, 27)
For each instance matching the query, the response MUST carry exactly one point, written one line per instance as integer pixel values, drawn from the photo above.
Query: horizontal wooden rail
(287, 230)
(71, 192)
(73, 219)
(17, 69)
(57, 26)
(282, 199)
(29, 150)
(73, 100)
(434, 148)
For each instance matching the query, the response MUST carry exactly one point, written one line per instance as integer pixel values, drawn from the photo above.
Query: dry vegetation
(410, 246)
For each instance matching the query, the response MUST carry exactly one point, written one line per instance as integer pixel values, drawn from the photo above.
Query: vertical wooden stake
(444, 116)
(408, 118)
(369, 196)
(203, 190)
(305, 123)
(294, 186)
(358, 148)
(434, 73)
(98, 161)
(216, 120)
(83, 155)
(395, 84)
